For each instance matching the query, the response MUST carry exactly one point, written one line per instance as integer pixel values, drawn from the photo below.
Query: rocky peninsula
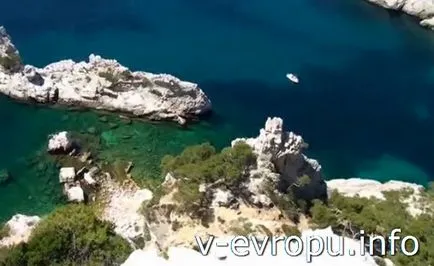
(422, 9)
(99, 84)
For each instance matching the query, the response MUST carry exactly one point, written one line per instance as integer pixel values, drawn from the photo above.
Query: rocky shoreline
(422, 9)
(100, 84)
(156, 224)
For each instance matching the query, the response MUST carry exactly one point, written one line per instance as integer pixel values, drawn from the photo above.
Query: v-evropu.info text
(310, 246)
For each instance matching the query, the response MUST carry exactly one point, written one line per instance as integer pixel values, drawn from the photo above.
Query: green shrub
(110, 76)
(10, 61)
(71, 235)
(289, 230)
(202, 164)
(380, 217)
(4, 231)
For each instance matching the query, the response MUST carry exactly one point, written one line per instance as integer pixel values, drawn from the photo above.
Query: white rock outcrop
(423, 9)
(66, 175)
(20, 227)
(223, 256)
(371, 188)
(75, 194)
(60, 142)
(280, 159)
(123, 209)
(101, 84)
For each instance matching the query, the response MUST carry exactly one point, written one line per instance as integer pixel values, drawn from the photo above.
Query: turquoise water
(364, 103)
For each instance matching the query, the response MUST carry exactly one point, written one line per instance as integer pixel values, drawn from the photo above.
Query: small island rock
(100, 84)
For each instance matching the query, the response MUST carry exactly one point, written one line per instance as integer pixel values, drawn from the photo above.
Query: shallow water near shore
(364, 102)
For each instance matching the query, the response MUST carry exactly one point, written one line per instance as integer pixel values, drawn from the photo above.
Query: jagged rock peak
(280, 158)
(102, 84)
(274, 140)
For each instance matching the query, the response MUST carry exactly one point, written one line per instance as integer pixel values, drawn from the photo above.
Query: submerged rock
(5, 176)
(102, 84)
(20, 227)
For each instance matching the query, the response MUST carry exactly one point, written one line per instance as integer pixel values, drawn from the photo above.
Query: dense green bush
(203, 164)
(351, 214)
(71, 235)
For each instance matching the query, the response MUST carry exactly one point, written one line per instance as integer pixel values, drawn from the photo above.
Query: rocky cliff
(280, 159)
(423, 9)
(100, 84)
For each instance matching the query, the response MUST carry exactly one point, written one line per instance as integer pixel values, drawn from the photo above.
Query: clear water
(364, 101)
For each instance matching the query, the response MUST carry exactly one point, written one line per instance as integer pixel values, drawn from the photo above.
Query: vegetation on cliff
(202, 164)
(348, 215)
(71, 235)
(10, 61)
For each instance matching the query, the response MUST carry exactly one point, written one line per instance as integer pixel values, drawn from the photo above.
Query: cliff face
(101, 84)
(280, 159)
(423, 9)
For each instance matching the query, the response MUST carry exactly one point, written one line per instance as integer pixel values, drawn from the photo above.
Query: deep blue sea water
(364, 103)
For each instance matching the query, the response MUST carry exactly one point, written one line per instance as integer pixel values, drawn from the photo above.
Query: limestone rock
(372, 188)
(169, 180)
(389, 4)
(60, 143)
(89, 179)
(419, 8)
(222, 198)
(428, 23)
(66, 175)
(123, 211)
(10, 60)
(280, 159)
(104, 84)
(20, 227)
(423, 9)
(75, 194)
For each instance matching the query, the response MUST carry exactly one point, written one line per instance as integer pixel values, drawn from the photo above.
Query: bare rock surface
(20, 227)
(280, 159)
(60, 142)
(75, 194)
(101, 84)
(423, 9)
(123, 210)
(371, 188)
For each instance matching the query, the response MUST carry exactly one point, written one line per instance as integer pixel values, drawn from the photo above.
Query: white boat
(292, 77)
